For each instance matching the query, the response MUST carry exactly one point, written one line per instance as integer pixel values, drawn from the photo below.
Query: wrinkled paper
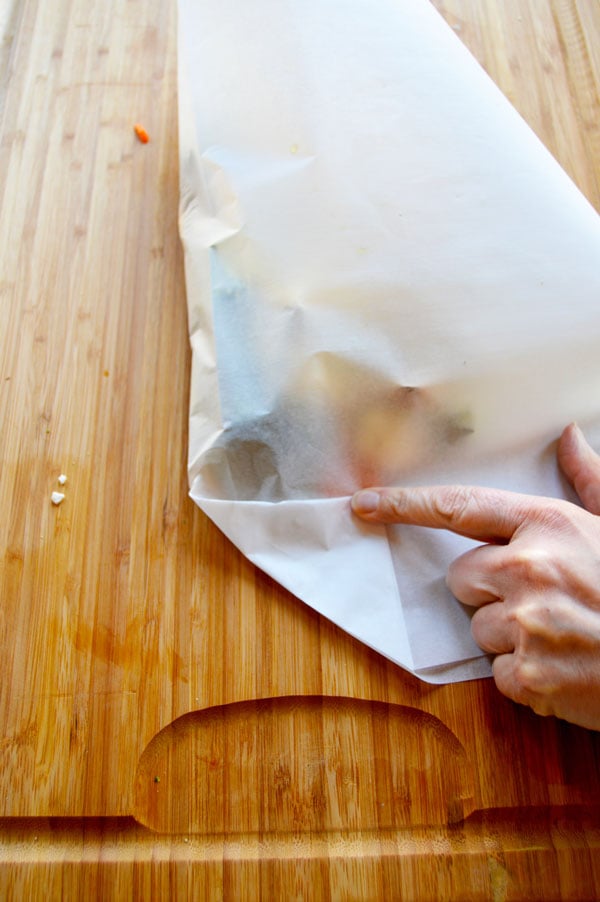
(390, 281)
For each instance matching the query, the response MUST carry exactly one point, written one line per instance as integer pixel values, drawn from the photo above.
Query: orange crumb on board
(142, 134)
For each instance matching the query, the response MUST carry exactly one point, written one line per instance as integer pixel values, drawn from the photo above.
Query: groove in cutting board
(302, 764)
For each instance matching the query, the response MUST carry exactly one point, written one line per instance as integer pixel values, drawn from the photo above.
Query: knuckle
(451, 503)
(392, 507)
(526, 675)
(536, 623)
(526, 681)
(532, 685)
(533, 565)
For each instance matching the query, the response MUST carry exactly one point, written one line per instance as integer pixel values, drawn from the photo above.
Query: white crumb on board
(62, 479)
(57, 497)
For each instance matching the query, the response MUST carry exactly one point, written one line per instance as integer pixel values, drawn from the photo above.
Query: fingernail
(365, 502)
(577, 434)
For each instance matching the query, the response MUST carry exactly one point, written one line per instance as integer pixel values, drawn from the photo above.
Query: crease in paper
(390, 280)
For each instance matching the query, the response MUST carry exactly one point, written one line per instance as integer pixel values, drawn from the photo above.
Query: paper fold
(389, 280)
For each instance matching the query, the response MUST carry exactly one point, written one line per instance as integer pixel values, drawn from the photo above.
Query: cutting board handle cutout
(302, 764)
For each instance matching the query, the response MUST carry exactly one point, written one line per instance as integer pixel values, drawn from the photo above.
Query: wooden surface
(172, 723)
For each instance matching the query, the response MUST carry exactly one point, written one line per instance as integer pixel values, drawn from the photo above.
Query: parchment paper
(390, 281)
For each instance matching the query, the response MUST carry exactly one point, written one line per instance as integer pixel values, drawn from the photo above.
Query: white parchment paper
(390, 280)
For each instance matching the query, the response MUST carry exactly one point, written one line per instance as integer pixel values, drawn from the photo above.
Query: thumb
(581, 465)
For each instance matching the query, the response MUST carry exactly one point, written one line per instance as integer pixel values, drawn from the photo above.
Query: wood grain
(318, 764)
(128, 623)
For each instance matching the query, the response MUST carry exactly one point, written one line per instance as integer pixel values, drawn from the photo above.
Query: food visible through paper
(389, 280)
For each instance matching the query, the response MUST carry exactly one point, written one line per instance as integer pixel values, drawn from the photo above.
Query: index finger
(489, 515)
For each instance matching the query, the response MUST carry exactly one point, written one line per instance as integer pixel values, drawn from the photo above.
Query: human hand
(535, 581)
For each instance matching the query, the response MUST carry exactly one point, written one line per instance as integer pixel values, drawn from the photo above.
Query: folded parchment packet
(389, 280)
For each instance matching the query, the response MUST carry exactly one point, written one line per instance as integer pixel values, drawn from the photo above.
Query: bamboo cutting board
(172, 723)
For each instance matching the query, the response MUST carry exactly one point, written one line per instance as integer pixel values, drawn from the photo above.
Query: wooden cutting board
(173, 724)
